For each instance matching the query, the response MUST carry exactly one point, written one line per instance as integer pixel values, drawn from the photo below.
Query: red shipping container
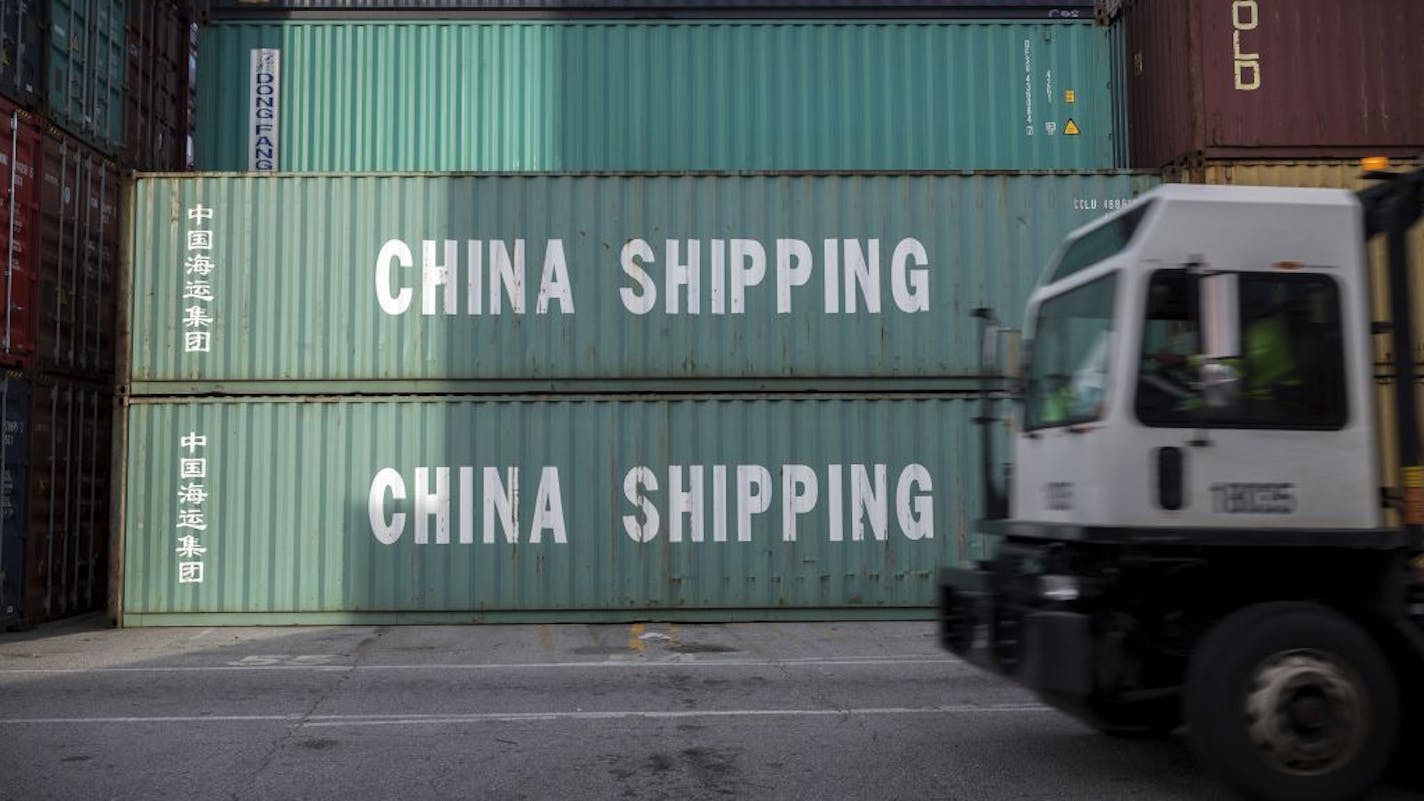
(79, 242)
(156, 111)
(67, 534)
(1270, 79)
(19, 217)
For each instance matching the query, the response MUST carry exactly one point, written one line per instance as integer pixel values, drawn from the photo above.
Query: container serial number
(1100, 204)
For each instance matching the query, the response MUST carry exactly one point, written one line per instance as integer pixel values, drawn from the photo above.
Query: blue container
(15, 394)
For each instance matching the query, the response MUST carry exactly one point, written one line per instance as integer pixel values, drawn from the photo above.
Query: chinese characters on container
(192, 516)
(197, 282)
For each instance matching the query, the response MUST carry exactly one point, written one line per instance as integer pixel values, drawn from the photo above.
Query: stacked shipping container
(734, 393)
(599, 95)
(455, 397)
(88, 89)
(1251, 79)
(728, 375)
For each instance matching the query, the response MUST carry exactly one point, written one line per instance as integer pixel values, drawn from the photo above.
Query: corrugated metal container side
(15, 399)
(79, 245)
(1122, 142)
(20, 157)
(252, 278)
(278, 511)
(1340, 174)
(1391, 472)
(1041, 8)
(190, 108)
(654, 96)
(1249, 79)
(156, 114)
(23, 39)
(71, 426)
(88, 69)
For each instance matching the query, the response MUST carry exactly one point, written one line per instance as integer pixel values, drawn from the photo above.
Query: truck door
(1283, 447)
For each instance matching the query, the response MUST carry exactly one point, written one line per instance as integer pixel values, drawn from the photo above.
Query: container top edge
(650, 174)
(701, 17)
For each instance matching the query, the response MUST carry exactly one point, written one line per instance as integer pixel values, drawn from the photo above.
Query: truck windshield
(1069, 363)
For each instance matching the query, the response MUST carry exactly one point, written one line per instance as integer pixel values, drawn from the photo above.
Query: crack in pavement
(300, 721)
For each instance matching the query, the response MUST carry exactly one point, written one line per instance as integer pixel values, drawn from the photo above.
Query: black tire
(1326, 701)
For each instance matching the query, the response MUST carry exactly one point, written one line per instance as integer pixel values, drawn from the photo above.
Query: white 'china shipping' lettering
(852, 274)
(749, 491)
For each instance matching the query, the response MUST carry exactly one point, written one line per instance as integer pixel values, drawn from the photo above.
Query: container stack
(541, 309)
(89, 89)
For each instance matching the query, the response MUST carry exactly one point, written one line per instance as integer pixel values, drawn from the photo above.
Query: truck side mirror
(1013, 354)
(1221, 340)
(996, 341)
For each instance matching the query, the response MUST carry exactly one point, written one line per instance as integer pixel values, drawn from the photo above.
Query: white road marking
(605, 664)
(516, 717)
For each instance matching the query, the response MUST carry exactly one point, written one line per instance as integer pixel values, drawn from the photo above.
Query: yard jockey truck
(1215, 508)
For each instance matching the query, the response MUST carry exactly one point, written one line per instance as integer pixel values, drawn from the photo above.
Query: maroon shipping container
(67, 543)
(79, 243)
(156, 98)
(1272, 79)
(19, 233)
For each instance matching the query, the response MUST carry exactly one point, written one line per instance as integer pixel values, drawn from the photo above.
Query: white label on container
(263, 127)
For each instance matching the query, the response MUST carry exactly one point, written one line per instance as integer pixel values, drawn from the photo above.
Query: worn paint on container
(87, 69)
(21, 152)
(15, 394)
(20, 155)
(472, 95)
(79, 242)
(23, 38)
(156, 113)
(459, 506)
(1259, 79)
(251, 278)
(1122, 143)
(67, 541)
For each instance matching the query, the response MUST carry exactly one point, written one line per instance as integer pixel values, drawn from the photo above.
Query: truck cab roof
(1238, 227)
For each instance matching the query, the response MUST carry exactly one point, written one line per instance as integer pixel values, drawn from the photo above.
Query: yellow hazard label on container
(1070, 96)
(1071, 129)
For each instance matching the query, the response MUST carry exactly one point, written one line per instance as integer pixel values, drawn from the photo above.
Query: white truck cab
(1216, 507)
(1116, 429)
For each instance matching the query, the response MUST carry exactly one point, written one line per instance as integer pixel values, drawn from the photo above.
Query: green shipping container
(352, 510)
(325, 284)
(88, 69)
(480, 95)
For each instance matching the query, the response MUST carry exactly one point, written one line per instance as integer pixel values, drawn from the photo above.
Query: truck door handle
(1171, 478)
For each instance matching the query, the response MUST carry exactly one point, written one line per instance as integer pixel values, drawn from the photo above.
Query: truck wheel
(1292, 701)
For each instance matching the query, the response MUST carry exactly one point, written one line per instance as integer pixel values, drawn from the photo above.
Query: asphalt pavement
(644, 711)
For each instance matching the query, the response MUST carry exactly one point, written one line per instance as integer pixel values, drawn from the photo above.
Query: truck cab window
(1292, 364)
(1068, 366)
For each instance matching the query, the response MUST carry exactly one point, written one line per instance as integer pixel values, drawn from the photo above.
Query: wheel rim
(1307, 711)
